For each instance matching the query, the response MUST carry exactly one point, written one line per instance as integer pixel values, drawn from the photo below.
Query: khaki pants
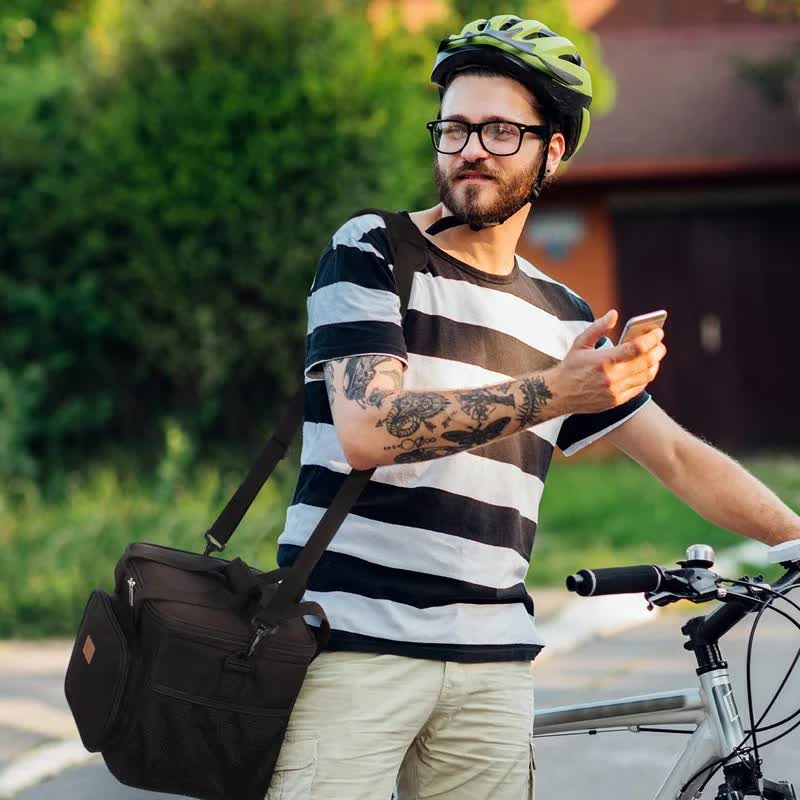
(439, 729)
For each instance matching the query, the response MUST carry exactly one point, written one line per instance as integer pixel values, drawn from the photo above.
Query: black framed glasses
(498, 137)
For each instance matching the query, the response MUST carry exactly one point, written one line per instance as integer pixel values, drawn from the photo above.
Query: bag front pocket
(97, 672)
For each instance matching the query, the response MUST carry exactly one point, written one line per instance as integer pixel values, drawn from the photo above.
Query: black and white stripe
(431, 561)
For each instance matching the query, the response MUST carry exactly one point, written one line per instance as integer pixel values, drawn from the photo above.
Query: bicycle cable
(740, 750)
(756, 726)
(715, 766)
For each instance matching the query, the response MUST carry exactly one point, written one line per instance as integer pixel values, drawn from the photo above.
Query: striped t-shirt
(432, 559)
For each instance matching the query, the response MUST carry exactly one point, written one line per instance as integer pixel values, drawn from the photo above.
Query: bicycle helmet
(549, 65)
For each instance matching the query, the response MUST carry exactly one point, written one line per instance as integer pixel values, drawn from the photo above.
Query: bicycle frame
(712, 708)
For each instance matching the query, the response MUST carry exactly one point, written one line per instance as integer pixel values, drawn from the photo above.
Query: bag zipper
(120, 688)
(178, 695)
(241, 643)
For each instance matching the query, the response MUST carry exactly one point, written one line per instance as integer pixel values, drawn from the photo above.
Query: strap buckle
(212, 545)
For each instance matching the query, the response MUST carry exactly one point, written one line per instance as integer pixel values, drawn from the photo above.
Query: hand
(590, 380)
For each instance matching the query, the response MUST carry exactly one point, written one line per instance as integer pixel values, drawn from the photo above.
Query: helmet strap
(536, 190)
(445, 223)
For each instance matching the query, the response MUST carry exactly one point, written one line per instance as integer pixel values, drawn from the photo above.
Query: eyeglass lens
(498, 138)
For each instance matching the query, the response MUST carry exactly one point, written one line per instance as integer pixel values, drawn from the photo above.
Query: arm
(707, 480)
(380, 423)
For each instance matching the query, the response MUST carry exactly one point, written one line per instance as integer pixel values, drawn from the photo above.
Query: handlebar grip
(616, 580)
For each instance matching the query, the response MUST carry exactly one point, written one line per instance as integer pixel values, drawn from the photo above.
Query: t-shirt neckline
(468, 268)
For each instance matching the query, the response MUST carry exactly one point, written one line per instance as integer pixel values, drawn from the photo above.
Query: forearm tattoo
(480, 403)
(535, 394)
(429, 425)
(359, 373)
(329, 382)
(409, 411)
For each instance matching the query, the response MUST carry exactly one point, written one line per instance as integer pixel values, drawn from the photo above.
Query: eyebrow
(490, 118)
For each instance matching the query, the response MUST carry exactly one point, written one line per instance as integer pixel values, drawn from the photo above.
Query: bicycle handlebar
(728, 616)
(664, 586)
(616, 580)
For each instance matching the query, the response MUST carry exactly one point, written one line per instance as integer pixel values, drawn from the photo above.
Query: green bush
(55, 549)
(163, 213)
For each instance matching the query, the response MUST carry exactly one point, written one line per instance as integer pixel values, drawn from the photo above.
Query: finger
(629, 395)
(638, 381)
(596, 331)
(634, 348)
(641, 370)
(643, 362)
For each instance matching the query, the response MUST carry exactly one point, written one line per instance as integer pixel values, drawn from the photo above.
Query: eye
(500, 130)
(451, 129)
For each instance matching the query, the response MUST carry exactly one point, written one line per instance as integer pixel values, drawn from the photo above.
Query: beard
(471, 201)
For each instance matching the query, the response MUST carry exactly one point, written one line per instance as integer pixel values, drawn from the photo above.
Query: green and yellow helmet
(528, 51)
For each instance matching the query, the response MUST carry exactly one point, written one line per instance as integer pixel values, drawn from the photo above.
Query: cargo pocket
(532, 771)
(294, 771)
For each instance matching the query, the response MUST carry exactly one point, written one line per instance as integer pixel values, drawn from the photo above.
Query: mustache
(474, 169)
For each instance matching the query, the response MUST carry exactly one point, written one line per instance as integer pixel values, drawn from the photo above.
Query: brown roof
(682, 104)
(618, 14)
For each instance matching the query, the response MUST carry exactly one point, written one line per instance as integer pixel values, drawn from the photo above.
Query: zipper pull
(261, 631)
(131, 587)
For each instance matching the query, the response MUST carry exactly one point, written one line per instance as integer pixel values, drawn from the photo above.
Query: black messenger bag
(184, 677)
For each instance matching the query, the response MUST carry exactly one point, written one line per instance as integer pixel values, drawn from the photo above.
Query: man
(427, 679)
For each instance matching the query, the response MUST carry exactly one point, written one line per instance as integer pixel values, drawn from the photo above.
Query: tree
(165, 195)
(776, 78)
(164, 210)
(777, 8)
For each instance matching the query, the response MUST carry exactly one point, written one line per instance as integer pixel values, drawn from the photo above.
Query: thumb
(596, 331)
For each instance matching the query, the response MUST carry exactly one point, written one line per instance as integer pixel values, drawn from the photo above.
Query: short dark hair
(539, 108)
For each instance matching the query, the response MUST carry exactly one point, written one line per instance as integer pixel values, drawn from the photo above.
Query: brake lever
(694, 584)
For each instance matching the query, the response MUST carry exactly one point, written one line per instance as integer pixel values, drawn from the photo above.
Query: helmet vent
(572, 59)
(483, 25)
(510, 24)
(534, 35)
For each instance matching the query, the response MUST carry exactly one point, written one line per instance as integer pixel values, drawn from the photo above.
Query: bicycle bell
(699, 556)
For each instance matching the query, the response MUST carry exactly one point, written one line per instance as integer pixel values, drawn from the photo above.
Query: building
(686, 197)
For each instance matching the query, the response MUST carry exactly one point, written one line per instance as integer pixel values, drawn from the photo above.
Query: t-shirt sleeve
(353, 304)
(580, 430)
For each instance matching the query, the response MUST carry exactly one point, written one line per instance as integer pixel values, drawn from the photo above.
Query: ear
(555, 152)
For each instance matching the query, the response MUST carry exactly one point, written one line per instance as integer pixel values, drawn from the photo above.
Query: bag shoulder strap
(408, 249)
(409, 254)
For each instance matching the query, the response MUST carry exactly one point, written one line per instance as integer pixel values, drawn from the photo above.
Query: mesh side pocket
(184, 747)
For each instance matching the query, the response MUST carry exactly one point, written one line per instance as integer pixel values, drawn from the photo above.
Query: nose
(473, 150)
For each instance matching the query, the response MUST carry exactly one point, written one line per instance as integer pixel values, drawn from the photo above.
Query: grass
(54, 550)
(611, 513)
(53, 553)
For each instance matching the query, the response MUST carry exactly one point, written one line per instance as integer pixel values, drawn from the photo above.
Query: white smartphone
(644, 323)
